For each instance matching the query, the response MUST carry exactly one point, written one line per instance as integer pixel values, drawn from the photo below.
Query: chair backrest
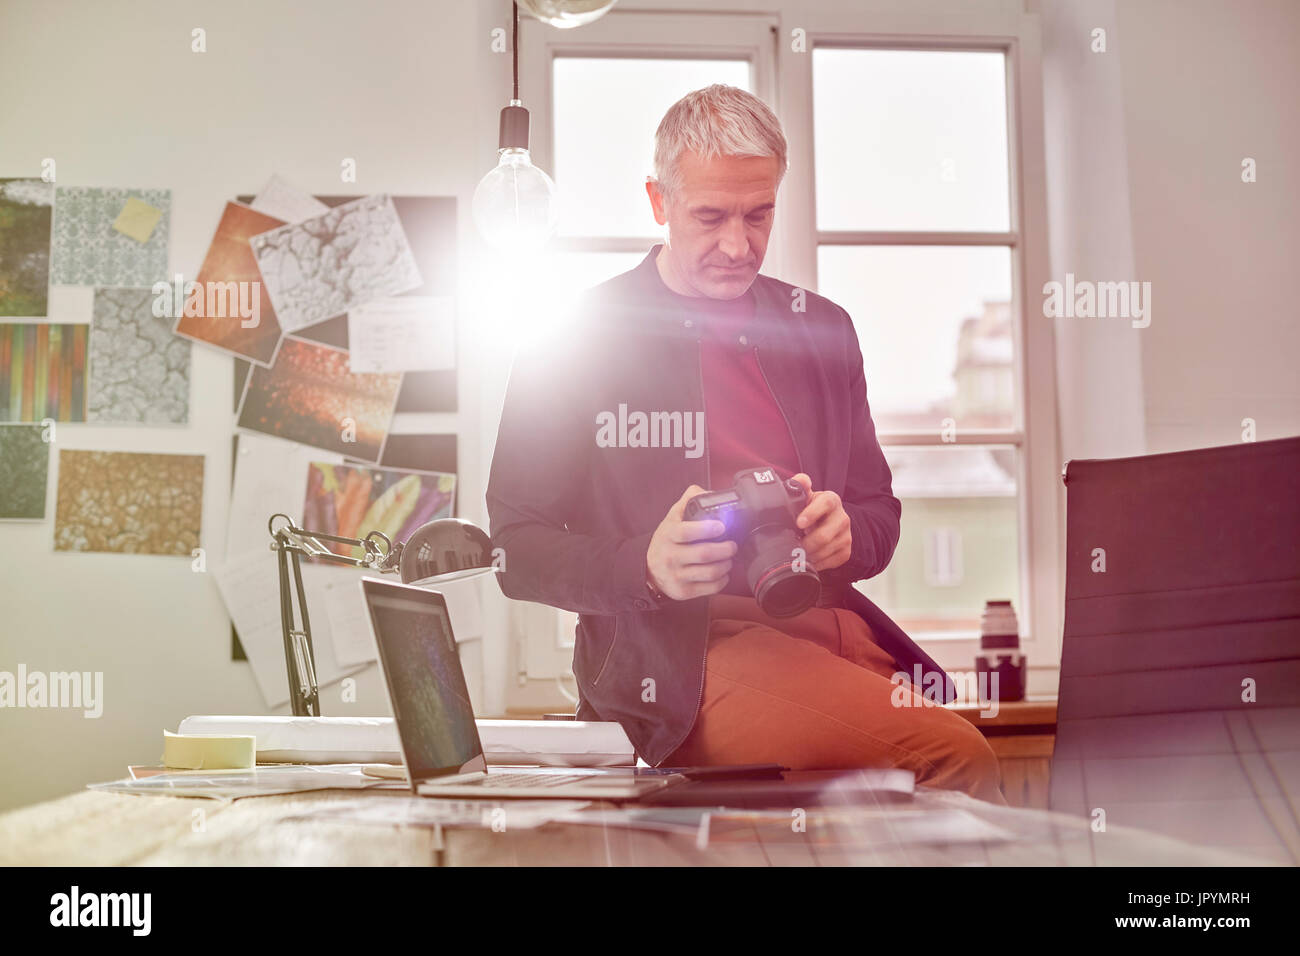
(1179, 705)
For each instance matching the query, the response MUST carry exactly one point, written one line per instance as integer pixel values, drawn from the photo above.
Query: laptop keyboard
(510, 780)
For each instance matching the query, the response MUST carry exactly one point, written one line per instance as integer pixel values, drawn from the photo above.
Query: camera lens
(780, 589)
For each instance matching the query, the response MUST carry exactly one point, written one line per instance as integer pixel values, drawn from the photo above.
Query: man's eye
(710, 220)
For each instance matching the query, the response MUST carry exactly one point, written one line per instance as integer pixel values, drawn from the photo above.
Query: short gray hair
(718, 120)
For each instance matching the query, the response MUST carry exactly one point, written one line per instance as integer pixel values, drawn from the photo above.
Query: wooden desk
(1022, 734)
(107, 829)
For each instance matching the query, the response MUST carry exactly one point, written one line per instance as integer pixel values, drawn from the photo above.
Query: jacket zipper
(704, 657)
(775, 398)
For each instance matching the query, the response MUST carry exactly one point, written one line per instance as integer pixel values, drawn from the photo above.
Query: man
(600, 448)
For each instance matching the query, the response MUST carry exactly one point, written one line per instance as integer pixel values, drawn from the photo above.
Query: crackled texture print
(322, 267)
(42, 372)
(310, 395)
(87, 250)
(139, 371)
(24, 465)
(230, 259)
(25, 207)
(128, 503)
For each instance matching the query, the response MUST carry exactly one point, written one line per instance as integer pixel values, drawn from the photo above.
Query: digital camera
(759, 513)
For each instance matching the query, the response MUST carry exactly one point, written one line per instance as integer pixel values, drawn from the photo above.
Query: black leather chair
(1179, 705)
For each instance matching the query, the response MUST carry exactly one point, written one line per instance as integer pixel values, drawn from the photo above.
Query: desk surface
(107, 829)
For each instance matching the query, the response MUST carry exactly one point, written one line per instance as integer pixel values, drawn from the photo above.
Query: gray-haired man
(671, 642)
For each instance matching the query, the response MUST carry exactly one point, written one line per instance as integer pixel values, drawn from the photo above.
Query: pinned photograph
(25, 209)
(129, 503)
(42, 372)
(24, 468)
(230, 309)
(352, 500)
(322, 267)
(311, 396)
(87, 249)
(139, 371)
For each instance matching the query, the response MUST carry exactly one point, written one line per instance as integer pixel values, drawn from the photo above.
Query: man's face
(719, 221)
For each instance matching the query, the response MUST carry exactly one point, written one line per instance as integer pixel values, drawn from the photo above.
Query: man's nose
(733, 242)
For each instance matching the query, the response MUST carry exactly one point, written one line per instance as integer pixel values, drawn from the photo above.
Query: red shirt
(744, 424)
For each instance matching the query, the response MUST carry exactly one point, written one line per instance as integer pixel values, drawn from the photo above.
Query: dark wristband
(654, 591)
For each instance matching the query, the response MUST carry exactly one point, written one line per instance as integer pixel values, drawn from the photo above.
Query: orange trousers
(813, 692)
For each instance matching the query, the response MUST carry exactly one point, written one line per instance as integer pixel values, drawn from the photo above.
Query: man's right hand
(683, 560)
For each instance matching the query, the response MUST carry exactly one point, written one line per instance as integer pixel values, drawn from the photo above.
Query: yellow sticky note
(208, 752)
(137, 219)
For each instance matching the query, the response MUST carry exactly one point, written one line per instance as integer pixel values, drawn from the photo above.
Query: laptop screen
(431, 705)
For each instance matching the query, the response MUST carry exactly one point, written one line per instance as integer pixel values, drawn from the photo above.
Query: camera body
(759, 513)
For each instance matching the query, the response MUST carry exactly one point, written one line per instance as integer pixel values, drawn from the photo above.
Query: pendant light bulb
(514, 205)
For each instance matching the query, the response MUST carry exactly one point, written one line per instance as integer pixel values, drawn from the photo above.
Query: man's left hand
(828, 533)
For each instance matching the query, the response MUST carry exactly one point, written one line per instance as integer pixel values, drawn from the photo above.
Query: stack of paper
(562, 743)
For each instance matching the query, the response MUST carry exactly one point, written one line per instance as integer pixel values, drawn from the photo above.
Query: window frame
(1034, 432)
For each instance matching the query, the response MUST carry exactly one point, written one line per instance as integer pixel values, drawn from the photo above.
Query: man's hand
(682, 560)
(828, 533)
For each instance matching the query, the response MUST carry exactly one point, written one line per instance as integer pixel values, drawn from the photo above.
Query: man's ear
(657, 202)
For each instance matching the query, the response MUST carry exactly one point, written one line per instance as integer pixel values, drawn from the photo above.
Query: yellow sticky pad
(208, 752)
(137, 219)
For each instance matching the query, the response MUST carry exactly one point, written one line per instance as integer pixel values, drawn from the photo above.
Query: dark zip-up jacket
(574, 517)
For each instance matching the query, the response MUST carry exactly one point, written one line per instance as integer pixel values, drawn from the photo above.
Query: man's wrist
(655, 592)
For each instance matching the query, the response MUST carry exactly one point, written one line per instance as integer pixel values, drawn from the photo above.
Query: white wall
(1099, 362)
(112, 91)
(1144, 145)
(1206, 84)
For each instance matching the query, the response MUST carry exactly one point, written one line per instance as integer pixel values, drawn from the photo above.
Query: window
(603, 155)
(916, 238)
(608, 85)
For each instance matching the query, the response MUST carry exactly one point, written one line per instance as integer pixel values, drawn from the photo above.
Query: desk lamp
(447, 549)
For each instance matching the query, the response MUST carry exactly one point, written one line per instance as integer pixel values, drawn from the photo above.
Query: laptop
(441, 750)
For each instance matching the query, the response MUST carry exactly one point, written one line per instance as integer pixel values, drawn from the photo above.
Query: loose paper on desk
(559, 743)
(227, 785)
(863, 826)
(403, 334)
(498, 815)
